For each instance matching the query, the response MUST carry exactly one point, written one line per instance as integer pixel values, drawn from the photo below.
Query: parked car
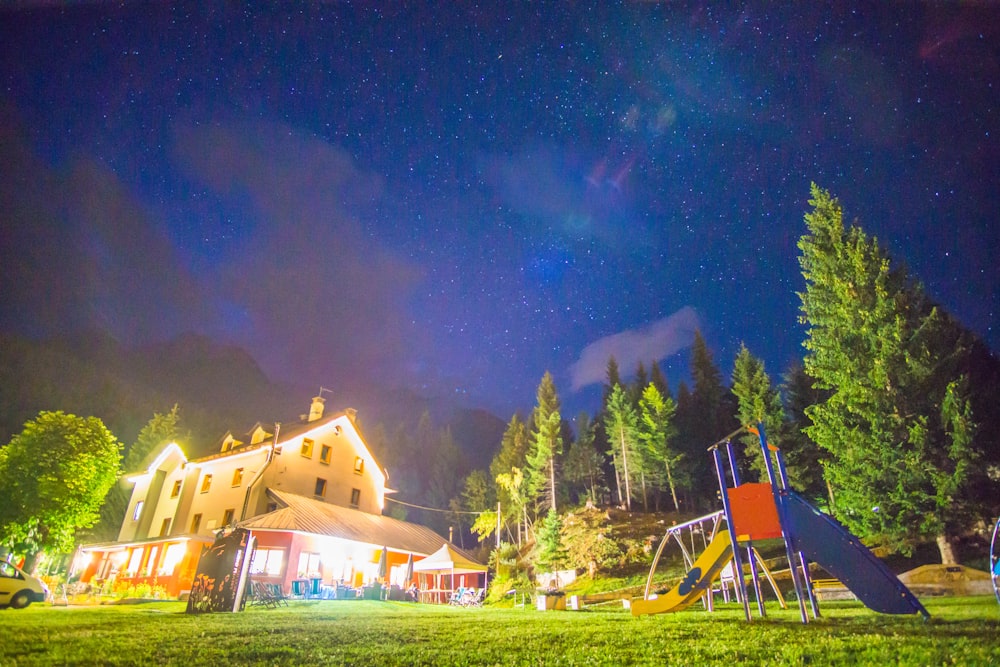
(18, 589)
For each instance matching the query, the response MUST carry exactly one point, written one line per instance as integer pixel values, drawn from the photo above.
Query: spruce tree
(511, 457)
(546, 443)
(656, 430)
(620, 424)
(657, 377)
(583, 464)
(897, 423)
(803, 458)
(706, 415)
(757, 401)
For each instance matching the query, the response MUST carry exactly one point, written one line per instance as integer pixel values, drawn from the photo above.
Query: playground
(762, 512)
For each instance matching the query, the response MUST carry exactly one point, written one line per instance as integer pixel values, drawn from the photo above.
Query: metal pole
(806, 579)
(737, 560)
(731, 452)
(779, 502)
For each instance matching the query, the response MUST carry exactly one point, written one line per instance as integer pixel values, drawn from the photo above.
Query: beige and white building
(310, 491)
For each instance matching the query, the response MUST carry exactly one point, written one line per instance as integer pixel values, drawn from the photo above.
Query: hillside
(217, 387)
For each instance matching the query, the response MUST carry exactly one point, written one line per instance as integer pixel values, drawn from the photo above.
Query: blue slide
(824, 541)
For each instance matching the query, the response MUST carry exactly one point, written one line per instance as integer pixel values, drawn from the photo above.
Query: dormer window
(230, 443)
(258, 436)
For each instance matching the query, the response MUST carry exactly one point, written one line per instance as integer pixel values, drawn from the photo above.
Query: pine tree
(583, 464)
(658, 379)
(551, 554)
(620, 423)
(546, 443)
(897, 423)
(803, 458)
(638, 384)
(704, 416)
(656, 430)
(613, 377)
(511, 456)
(757, 401)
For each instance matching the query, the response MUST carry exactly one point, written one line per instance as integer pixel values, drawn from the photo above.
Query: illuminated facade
(280, 483)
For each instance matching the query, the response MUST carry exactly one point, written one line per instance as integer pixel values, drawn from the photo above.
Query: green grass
(962, 631)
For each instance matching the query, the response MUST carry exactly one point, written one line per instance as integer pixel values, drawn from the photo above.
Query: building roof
(449, 559)
(288, 431)
(298, 513)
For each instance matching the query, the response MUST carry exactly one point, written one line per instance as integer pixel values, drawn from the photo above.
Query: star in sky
(456, 199)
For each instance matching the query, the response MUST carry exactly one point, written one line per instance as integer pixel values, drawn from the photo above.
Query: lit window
(137, 512)
(176, 490)
(320, 487)
(165, 528)
(355, 497)
(134, 561)
(195, 523)
(227, 517)
(267, 561)
(359, 465)
(172, 557)
(150, 561)
(237, 476)
(324, 453)
(206, 483)
(309, 564)
(307, 448)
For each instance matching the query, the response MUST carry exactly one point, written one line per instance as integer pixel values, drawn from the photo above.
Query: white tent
(446, 562)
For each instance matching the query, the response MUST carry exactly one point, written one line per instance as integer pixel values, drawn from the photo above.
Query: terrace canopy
(441, 568)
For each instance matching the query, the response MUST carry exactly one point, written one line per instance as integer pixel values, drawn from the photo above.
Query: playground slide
(840, 553)
(698, 579)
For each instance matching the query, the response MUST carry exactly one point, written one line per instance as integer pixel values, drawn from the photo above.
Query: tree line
(888, 422)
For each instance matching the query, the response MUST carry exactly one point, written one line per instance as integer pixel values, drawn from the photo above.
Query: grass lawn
(962, 631)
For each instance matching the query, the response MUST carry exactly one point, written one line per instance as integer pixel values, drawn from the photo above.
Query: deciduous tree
(53, 477)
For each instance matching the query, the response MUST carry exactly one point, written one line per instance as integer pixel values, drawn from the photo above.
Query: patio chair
(279, 595)
(261, 596)
(474, 597)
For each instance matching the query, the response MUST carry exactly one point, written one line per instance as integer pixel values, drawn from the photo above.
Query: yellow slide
(698, 579)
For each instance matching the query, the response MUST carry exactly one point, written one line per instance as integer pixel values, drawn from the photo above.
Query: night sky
(454, 200)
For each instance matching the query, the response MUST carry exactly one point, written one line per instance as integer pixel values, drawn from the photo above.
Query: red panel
(755, 515)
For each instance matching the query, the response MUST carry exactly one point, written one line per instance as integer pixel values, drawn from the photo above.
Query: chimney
(316, 409)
